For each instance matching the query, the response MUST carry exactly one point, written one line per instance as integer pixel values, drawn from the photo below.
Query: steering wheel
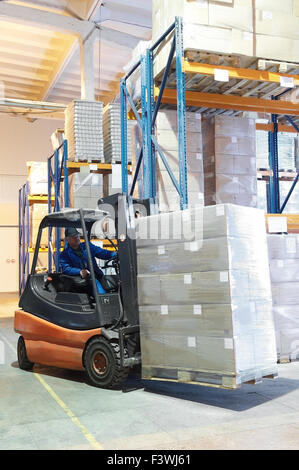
(111, 263)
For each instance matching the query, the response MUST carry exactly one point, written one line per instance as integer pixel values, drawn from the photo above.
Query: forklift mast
(124, 209)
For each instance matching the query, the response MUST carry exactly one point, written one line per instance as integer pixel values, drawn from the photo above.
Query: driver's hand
(84, 273)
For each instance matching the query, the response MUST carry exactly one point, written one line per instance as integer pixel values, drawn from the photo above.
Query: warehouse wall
(20, 141)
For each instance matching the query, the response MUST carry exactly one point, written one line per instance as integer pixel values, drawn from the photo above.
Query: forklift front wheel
(23, 360)
(103, 365)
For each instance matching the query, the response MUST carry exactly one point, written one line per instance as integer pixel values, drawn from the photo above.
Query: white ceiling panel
(37, 63)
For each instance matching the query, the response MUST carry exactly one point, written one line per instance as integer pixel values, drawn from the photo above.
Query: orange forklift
(64, 322)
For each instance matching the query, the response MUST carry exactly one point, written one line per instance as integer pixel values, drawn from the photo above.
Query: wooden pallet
(207, 379)
(287, 359)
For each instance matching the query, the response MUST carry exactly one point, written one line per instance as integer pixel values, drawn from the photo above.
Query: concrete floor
(51, 408)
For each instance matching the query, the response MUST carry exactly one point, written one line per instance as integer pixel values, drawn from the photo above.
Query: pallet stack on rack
(84, 131)
(284, 269)
(33, 206)
(249, 28)
(112, 137)
(38, 194)
(205, 304)
(177, 74)
(230, 161)
(167, 138)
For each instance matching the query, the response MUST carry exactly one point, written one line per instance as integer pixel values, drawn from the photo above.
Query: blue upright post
(146, 130)
(49, 211)
(24, 236)
(66, 175)
(150, 125)
(20, 241)
(27, 231)
(273, 162)
(57, 208)
(181, 107)
(124, 136)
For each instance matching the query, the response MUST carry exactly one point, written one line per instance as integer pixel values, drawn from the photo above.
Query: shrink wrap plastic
(205, 303)
(284, 270)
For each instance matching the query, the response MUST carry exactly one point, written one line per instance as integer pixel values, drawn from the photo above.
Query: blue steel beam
(164, 160)
(297, 177)
(291, 121)
(164, 80)
(146, 128)
(273, 163)
(289, 193)
(164, 36)
(57, 176)
(157, 106)
(131, 102)
(66, 174)
(27, 231)
(20, 238)
(150, 120)
(181, 106)
(50, 179)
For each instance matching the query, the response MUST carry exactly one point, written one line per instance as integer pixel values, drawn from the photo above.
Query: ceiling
(40, 63)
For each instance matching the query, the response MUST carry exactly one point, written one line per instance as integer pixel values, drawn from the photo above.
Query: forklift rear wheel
(23, 360)
(103, 365)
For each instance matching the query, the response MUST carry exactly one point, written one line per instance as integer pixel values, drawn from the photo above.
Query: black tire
(102, 363)
(23, 360)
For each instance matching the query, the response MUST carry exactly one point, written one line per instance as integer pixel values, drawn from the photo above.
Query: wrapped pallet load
(284, 270)
(37, 178)
(205, 296)
(167, 137)
(85, 189)
(84, 130)
(263, 28)
(112, 134)
(229, 152)
(36, 214)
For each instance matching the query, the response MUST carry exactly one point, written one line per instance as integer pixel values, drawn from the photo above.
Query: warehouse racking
(25, 202)
(194, 85)
(184, 84)
(59, 170)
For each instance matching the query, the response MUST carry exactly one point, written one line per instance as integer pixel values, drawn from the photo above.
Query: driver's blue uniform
(71, 264)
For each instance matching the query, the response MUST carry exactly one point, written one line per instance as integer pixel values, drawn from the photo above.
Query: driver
(73, 259)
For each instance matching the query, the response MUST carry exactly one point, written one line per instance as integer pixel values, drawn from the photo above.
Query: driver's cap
(71, 232)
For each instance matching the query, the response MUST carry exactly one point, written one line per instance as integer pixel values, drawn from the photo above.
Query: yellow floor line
(88, 436)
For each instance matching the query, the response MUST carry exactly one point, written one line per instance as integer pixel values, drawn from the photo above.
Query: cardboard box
(206, 305)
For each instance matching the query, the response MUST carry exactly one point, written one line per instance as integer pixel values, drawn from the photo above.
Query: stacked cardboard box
(287, 149)
(262, 195)
(205, 296)
(42, 262)
(229, 161)
(292, 206)
(84, 130)
(262, 28)
(112, 134)
(37, 178)
(284, 269)
(37, 213)
(167, 137)
(85, 189)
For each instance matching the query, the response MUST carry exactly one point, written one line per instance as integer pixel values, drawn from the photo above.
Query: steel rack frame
(25, 202)
(23, 236)
(57, 172)
(149, 108)
(152, 97)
